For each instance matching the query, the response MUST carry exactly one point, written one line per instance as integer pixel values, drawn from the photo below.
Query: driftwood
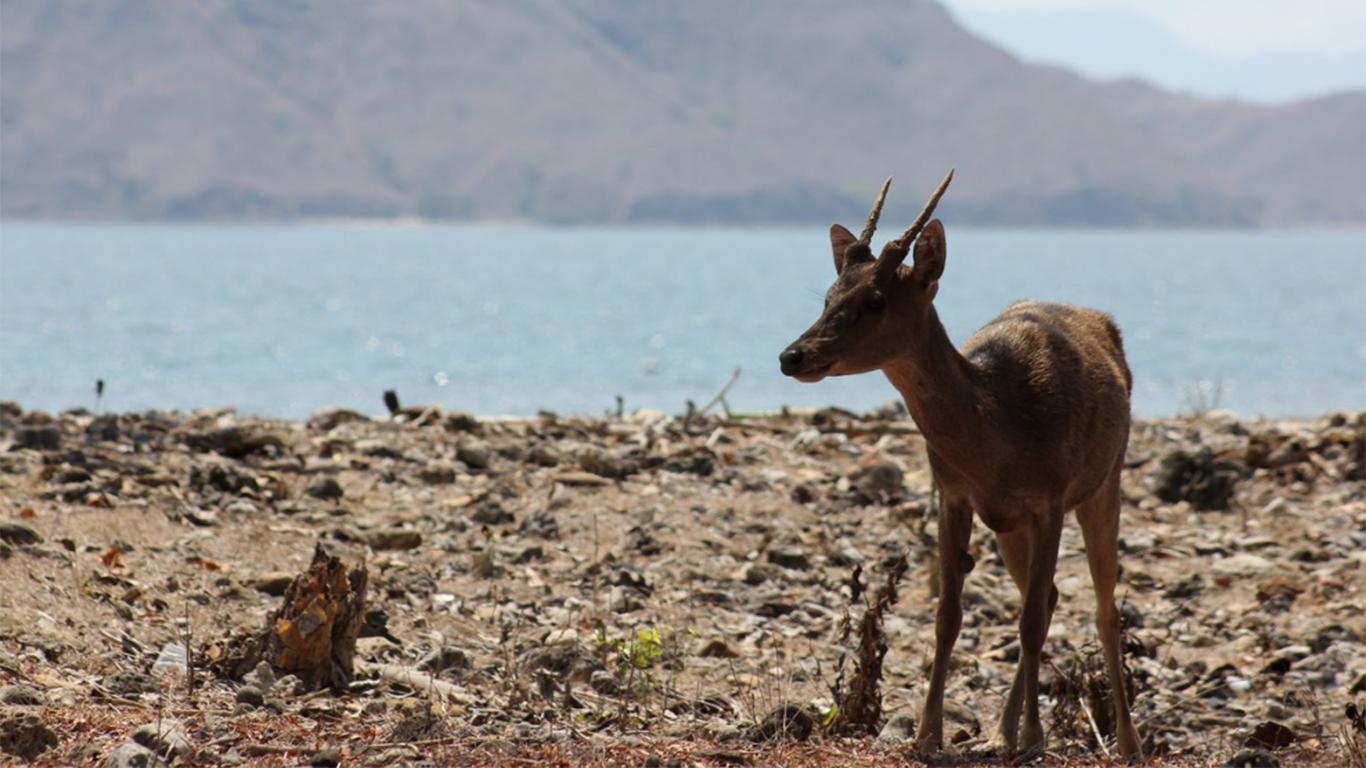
(720, 396)
(312, 635)
(411, 678)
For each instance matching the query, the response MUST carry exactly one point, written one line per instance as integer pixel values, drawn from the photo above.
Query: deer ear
(930, 252)
(840, 240)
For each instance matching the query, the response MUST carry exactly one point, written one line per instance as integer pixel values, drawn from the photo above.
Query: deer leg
(1099, 518)
(955, 529)
(1014, 549)
(1045, 533)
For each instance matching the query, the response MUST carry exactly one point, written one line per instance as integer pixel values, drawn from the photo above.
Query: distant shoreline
(522, 224)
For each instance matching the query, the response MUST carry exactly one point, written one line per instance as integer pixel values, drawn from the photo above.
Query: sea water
(281, 320)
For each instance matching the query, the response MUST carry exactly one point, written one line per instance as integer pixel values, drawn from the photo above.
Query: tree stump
(312, 635)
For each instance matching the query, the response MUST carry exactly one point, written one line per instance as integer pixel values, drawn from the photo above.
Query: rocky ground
(647, 591)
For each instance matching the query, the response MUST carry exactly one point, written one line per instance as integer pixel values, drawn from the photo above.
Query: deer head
(874, 303)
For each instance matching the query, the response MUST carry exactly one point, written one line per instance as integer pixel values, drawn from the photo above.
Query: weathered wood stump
(312, 635)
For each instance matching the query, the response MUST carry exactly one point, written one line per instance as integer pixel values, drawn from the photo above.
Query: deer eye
(875, 301)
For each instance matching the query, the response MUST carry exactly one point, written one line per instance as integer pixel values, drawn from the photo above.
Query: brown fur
(1028, 421)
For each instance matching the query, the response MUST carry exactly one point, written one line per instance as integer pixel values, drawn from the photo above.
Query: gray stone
(622, 600)
(394, 538)
(459, 421)
(17, 534)
(328, 419)
(1243, 564)
(446, 659)
(603, 682)
(899, 728)
(273, 584)
(39, 437)
(491, 513)
(326, 758)
(475, 454)
(133, 755)
(758, 573)
(325, 488)
(543, 455)
(601, 462)
(880, 481)
(541, 524)
(22, 696)
(790, 558)
(437, 474)
(262, 678)
(24, 734)
(845, 557)
(251, 696)
(131, 682)
(166, 737)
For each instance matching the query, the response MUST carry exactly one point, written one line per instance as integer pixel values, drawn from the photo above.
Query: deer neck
(944, 395)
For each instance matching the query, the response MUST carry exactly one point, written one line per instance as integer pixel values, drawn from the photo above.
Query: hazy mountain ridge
(599, 110)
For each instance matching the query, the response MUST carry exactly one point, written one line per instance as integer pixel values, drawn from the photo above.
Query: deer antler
(894, 252)
(871, 226)
(913, 232)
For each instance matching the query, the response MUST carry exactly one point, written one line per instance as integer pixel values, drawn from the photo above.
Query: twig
(413, 679)
(423, 743)
(720, 396)
(260, 750)
(1095, 729)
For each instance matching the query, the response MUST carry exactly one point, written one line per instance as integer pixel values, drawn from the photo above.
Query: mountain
(616, 111)
(1109, 43)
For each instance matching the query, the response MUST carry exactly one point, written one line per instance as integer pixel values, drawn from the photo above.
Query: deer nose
(790, 360)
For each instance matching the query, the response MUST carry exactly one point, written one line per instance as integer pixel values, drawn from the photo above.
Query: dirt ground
(650, 591)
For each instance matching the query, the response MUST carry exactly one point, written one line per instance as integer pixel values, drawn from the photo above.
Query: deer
(1028, 420)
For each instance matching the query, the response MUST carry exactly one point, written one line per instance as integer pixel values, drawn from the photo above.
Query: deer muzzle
(797, 362)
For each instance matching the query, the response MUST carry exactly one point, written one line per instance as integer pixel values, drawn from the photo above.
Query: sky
(1262, 50)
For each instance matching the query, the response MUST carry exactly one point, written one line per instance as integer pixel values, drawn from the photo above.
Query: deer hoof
(928, 744)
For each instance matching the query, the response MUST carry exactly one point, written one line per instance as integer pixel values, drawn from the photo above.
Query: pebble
(845, 557)
(326, 758)
(241, 507)
(165, 737)
(134, 755)
(251, 696)
(39, 437)
(789, 721)
(622, 600)
(1253, 758)
(1243, 564)
(274, 583)
(460, 421)
(18, 535)
(447, 659)
(475, 454)
(899, 728)
(881, 480)
(569, 636)
(603, 682)
(759, 573)
(328, 419)
(131, 682)
(543, 455)
(491, 513)
(325, 488)
(22, 696)
(790, 558)
(437, 474)
(24, 734)
(541, 524)
(393, 538)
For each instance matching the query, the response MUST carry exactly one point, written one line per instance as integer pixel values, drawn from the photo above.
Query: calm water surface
(282, 320)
